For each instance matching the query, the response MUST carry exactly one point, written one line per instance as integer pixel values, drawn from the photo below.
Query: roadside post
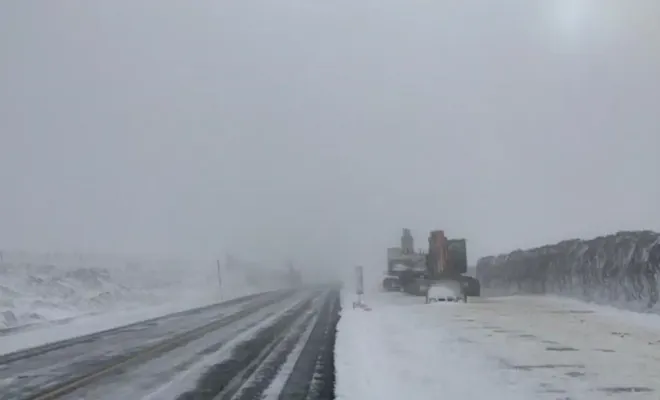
(359, 289)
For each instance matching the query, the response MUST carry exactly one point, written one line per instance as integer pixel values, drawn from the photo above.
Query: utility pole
(219, 278)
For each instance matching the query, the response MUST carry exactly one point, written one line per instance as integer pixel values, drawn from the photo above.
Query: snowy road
(496, 348)
(165, 358)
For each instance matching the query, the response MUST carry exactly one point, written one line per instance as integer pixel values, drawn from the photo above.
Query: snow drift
(618, 269)
(37, 288)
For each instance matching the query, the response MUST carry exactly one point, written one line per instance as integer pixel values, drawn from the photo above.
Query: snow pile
(36, 288)
(618, 269)
(445, 290)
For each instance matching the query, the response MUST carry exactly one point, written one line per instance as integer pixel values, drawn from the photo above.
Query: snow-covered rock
(616, 269)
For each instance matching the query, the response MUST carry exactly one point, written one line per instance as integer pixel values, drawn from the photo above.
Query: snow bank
(39, 288)
(619, 269)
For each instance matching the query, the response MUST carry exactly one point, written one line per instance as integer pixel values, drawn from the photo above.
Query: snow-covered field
(73, 294)
(517, 347)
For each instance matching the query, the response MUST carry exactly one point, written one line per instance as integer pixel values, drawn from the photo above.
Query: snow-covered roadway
(179, 370)
(496, 348)
(39, 369)
(247, 348)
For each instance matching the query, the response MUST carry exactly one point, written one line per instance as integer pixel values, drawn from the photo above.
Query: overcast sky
(321, 128)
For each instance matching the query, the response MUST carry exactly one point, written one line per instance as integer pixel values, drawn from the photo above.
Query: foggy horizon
(318, 130)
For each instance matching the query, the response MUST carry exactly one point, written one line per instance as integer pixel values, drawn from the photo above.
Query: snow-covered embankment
(619, 269)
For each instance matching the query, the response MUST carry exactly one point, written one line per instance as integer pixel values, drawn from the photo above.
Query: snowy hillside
(36, 288)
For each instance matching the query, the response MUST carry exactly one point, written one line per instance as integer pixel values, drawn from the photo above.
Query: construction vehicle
(444, 264)
(403, 263)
